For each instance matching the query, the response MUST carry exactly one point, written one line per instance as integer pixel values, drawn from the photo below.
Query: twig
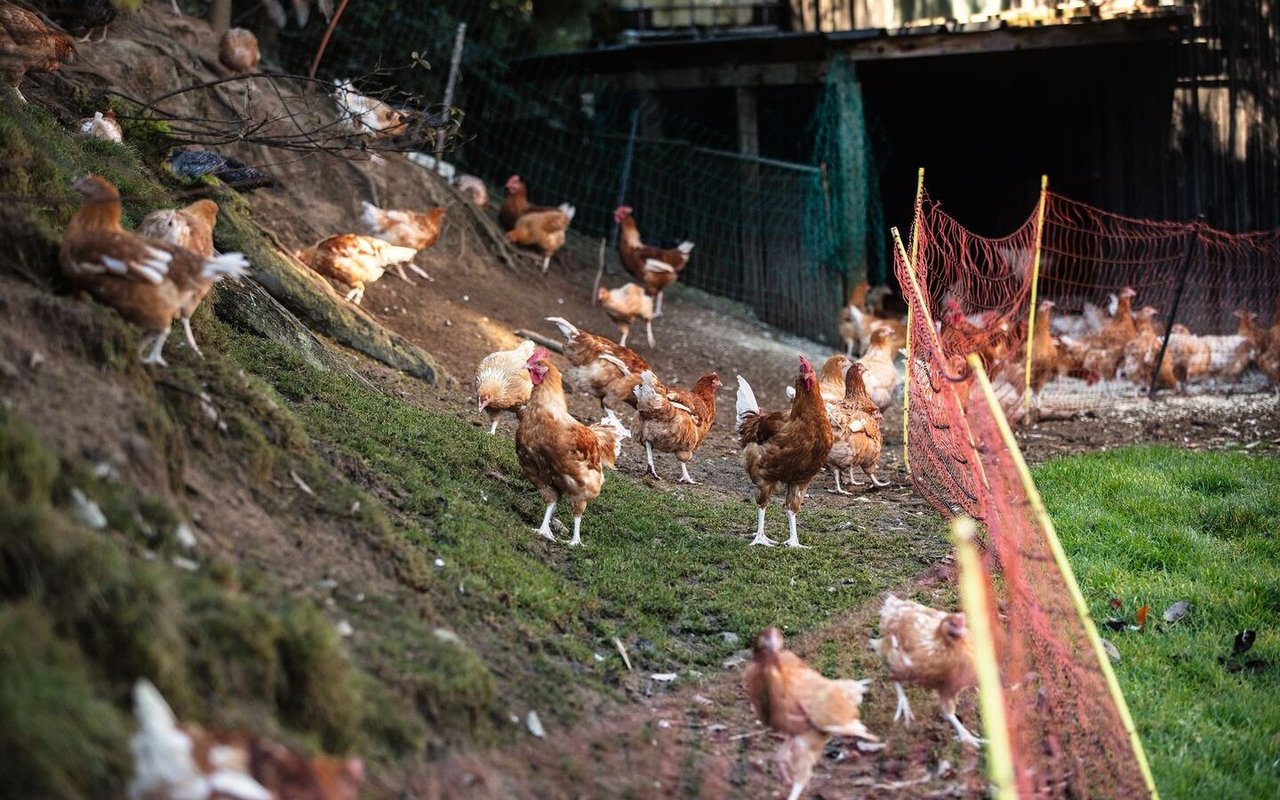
(751, 735)
(622, 651)
(595, 290)
(328, 33)
(538, 338)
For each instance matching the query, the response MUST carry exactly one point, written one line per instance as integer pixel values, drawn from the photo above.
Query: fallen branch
(538, 338)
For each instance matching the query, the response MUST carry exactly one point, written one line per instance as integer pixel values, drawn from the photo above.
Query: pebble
(344, 629)
(87, 511)
(185, 536)
(535, 725)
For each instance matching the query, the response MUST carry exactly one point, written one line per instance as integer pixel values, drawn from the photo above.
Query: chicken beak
(482, 403)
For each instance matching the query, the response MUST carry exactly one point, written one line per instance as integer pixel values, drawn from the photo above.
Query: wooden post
(1035, 279)
(328, 34)
(220, 15)
(626, 173)
(911, 265)
(455, 64)
(1177, 298)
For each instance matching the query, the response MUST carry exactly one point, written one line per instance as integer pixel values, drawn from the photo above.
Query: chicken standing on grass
(149, 282)
(560, 456)
(783, 448)
(796, 701)
(627, 305)
(190, 228)
(653, 267)
(502, 382)
(928, 648)
(355, 261)
(675, 420)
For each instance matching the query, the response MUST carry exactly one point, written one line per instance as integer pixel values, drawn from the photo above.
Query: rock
(87, 511)
(665, 677)
(1176, 611)
(344, 629)
(185, 536)
(730, 638)
(1111, 649)
(184, 563)
(535, 725)
(446, 635)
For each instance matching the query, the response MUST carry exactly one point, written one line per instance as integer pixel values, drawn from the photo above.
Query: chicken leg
(657, 305)
(760, 537)
(577, 531)
(874, 480)
(794, 540)
(626, 329)
(356, 294)
(838, 490)
(191, 339)
(648, 454)
(903, 711)
(493, 429)
(648, 331)
(546, 262)
(157, 345)
(962, 732)
(545, 530)
(684, 475)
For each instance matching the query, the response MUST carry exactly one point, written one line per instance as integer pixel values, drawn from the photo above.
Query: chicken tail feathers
(610, 432)
(399, 255)
(685, 247)
(648, 392)
(567, 328)
(567, 210)
(227, 265)
(161, 752)
(746, 404)
(371, 215)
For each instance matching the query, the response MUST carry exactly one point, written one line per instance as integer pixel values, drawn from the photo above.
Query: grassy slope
(1156, 525)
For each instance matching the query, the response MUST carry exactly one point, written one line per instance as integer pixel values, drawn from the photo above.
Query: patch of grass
(1154, 526)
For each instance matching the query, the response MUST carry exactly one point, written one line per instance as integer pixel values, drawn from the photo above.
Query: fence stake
(1035, 287)
(626, 171)
(328, 34)
(455, 64)
(911, 265)
(595, 290)
(1177, 298)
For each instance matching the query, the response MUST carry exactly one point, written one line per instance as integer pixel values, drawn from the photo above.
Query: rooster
(627, 305)
(190, 228)
(654, 268)
(783, 448)
(605, 370)
(561, 457)
(473, 188)
(502, 382)
(101, 126)
(404, 228)
(674, 420)
(149, 282)
(542, 230)
(516, 204)
(29, 44)
(355, 261)
(367, 116)
(928, 648)
(238, 51)
(855, 424)
(798, 702)
(881, 376)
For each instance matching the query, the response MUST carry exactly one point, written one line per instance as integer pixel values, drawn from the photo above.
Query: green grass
(1157, 525)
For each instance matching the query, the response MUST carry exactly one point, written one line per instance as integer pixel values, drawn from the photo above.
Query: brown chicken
(675, 420)
(1141, 351)
(238, 51)
(502, 382)
(516, 204)
(101, 126)
(404, 228)
(190, 228)
(29, 44)
(928, 648)
(177, 761)
(654, 268)
(542, 230)
(627, 305)
(473, 189)
(831, 383)
(798, 702)
(783, 448)
(1269, 358)
(1105, 349)
(367, 116)
(599, 367)
(854, 319)
(561, 457)
(1044, 354)
(881, 376)
(855, 424)
(355, 261)
(1189, 355)
(149, 282)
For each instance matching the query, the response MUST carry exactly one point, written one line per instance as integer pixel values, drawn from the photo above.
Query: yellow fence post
(1035, 281)
(906, 384)
(1068, 574)
(974, 600)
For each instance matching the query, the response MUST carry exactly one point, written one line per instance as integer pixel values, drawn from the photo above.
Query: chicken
(238, 51)
(543, 230)
(190, 228)
(354, 261)
(405, 228)
(928, 648)
(502, 382)
(674, 420)
(561, 457)
(855, 425)
(831, 384)
(881, 376)
(1269, 358)
(1231, 355)
(516, 204)
(367, 116)
(175, 761)
(1077, 326)
(101, 126)
(603, 369)
(473, 188)
(1188, 355)
(1106, 347)
(798, 702)
(627, 305)
(29, 44)
(149, 282)
(654, 268)
(301, 11)
(786, 449)
(1249, 330)
(80, 18)
(1141, 351)
(193, 165)
(853, 321)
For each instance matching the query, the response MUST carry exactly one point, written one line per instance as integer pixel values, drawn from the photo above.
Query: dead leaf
(1142, 617)
(1176, 611)
(1116, 602)
(1112, 652)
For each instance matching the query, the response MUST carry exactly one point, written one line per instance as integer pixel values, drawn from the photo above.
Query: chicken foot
(545, 530)
(577, 531)
(546, 263)
(794, 540)
(903, 711)
(493, 429)
(356, 295)
(962, 732)
(416, 269)
(760, 537)
(648, 331)
(838, 490)
(191, 339)
(153, 355)
(657, 305)
(684, 475)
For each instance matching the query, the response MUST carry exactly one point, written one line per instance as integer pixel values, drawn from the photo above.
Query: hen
(516, 204)
(1269, 358)
(238, 51)
(831, 384)
(355, 261)
(543, 231)
(29, 44)
(881, 376)
(80, 18)
(367, 116)
(855, 424)
(190, 228)
(798, 702)
(853, 321)
(627, 305)
(675, 420)
(783, 448)
(1044, 351)
(560, 456)
(1105, 349)
(404, 228)
(603, 369)
(1140, 352)
(474, 189)
(502, 382)
(101, 126)
(174, 761)
(928, 648)
(147, 281)
(656, 269)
